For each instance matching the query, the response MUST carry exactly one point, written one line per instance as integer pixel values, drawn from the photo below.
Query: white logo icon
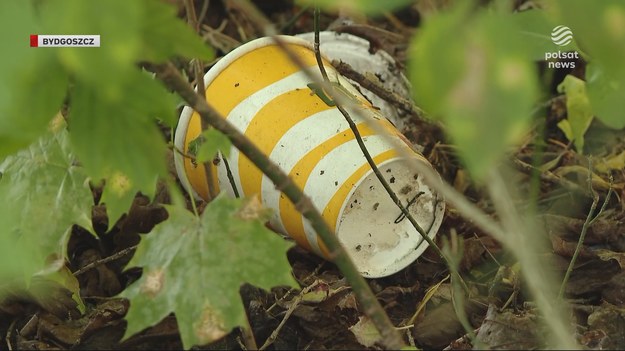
(561, 35)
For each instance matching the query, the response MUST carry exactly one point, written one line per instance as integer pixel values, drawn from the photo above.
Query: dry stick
(372, 308)
(587, 223)
(294, 303)
(198, 69)
(408, 106)
(365, 151)
(550, 177)
(104, 260)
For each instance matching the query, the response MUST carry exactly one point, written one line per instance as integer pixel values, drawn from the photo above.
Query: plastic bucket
(268, 98)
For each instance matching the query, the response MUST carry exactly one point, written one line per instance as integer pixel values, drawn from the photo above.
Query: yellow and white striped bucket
(267, 97)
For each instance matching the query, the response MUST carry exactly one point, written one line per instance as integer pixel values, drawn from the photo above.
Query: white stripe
(338, 165)
(294, 144)
(179, 141)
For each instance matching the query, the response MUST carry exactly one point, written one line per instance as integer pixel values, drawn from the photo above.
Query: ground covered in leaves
(324, 313)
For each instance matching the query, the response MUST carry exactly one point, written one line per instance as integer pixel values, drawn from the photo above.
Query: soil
(418, 298)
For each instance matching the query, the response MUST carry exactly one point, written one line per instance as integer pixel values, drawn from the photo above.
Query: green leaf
(44, 193)
(195, 267)
(164, 35)
(118, 140)
(479, 80)
(32, 83)
(579, 112)
(606, 93)
(535, 28)
(213, 141)
(369, 7)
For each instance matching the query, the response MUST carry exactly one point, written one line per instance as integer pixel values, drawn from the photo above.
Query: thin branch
(590, 219)
(408, 106)
(198, 69)
(550, 177)
(372, 308)
(294, 303)
(104, 260)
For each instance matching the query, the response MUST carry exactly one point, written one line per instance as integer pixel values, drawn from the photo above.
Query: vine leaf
(579, 111)
(195, 266)
(44, 193)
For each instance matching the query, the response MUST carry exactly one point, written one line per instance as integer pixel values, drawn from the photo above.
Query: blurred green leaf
(44, 193)
(370, 7)
(598, 27)
(479, 80)
(164, 35)
(195, 267)
(535, 28)
(579, 112)
(32, 83)
(606, 93)
(118, 140)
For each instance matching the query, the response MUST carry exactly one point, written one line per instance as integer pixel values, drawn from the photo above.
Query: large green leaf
(195, 267)
(32, 83)
(579, 112)
(43, 194)
(475, 73)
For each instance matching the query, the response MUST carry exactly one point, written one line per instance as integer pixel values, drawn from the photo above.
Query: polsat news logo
(64, 41)
(561, 36)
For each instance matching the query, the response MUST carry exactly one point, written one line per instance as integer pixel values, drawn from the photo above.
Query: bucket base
(377, 237)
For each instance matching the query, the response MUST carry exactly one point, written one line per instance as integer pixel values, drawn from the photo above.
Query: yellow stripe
(291, 218)
(234, 84)
(253, 72)
(331, 212)
(270, 124)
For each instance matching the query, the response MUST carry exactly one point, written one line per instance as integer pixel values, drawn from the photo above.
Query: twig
(182, 153)
(372, 308)
(8, 336)
(590, 219)
(248, 337)
(104, 260)
(203, 12)
(346, 70)
(550, 177)
(294, 303)
(198, 68)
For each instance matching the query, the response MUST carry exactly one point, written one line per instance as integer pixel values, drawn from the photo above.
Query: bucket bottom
(377, 237)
